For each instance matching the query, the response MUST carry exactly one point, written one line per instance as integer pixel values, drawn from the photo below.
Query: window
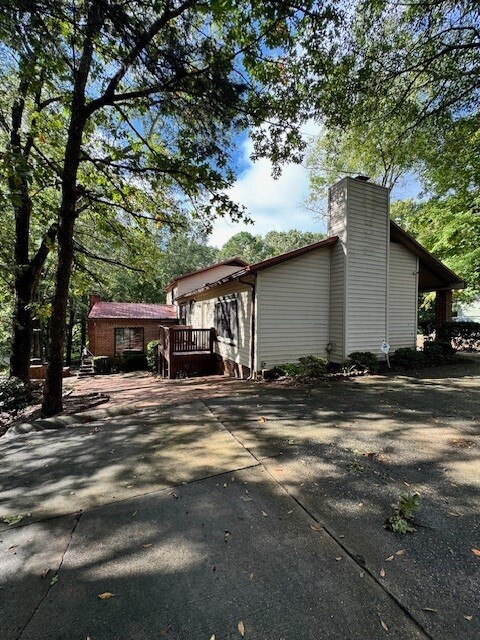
(182, 314)
(128, 339)
(226, 318)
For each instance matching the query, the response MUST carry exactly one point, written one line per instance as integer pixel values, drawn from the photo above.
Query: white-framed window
(128, 339)
(226, 318)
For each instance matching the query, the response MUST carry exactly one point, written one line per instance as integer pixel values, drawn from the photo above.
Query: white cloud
(271, 204)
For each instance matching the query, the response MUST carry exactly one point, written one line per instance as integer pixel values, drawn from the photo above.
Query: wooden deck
(184, 352)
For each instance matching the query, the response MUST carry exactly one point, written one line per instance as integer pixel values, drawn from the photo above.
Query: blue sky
(278, 204)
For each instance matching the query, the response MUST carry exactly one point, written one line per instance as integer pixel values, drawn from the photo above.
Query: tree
(245, 245)
(450, 228)
(278, 242)
(144, 97)
(256, 248)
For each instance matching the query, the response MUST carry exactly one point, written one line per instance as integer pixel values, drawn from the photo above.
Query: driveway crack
(56, 574)
(359, 560)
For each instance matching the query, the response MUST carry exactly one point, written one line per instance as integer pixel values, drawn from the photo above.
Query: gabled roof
(234, 262)
(433, 273)
(252, 269)
(133, 311)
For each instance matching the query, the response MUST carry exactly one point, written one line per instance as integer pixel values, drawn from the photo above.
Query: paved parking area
(257, 509)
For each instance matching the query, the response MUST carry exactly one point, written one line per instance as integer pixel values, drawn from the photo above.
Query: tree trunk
(52, 392)
(22, 328)
(83, 331)
(70, 326)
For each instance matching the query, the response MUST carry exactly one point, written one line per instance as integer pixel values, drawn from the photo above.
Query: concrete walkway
(259, 513)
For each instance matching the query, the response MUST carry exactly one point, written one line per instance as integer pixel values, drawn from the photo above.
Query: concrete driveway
(258, 513)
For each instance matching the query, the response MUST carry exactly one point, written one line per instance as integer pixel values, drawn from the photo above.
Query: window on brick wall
(128, 339)
(226, 318)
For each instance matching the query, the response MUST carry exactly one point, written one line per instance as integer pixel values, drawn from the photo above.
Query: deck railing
(182, 339)
(184, 350)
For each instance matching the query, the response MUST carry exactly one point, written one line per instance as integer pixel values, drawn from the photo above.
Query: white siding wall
(292, 313)
(360, 216)
(203, 317)
(402, 297)
(198, 280)
(367, 259)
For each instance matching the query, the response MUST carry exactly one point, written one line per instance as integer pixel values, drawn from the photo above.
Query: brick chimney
(94, 297)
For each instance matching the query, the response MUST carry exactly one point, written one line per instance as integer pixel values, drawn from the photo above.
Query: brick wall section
(443, 307)
(101, 333)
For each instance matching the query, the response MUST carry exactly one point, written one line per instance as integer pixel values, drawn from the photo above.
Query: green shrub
(13, 395)
(364, 360)
(102, 365)
(437, 352)
(133, 362)
(461, 335)
(307, 367)
(426, 321)
(152, 355)
(407, 358)
(312, 366)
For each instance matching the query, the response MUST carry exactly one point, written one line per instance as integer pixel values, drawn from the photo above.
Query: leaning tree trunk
(52, 393)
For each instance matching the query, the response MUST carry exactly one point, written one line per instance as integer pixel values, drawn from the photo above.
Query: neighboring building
(115, 327)
(350, 292)
(468, 312)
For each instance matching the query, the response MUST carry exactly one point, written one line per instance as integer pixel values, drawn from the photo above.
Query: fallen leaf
(476, 552)
(106, 595)
(314, 527)
(429, 609)
(382, 572)
(145, 546)
(384, 625)
(401, 552)
(129, 486)
(241, 628)
(469, 618)
(338, 558)
(10, 520)
(250, 576)
(264, 514)
(389, 559)
(262, 420)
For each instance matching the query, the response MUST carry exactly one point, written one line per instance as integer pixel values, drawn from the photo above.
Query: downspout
(252, 330)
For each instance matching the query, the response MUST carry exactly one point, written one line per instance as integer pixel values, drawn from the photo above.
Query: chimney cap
(362, 178)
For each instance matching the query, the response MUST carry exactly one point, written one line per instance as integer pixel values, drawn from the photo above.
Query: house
(350, 292)
(115, 327)
(468, 312)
